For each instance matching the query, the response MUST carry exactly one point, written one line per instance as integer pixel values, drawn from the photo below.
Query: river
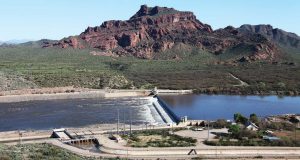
(212, 107)
(76, 113)
(83, 112)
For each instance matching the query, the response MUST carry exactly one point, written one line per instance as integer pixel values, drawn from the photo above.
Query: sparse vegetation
(158, 138)
(37, 151)
(195, 70)
(284, 132)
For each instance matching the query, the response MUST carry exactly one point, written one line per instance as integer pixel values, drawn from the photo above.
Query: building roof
(251, 124)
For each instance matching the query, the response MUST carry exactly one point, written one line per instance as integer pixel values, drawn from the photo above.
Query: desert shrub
(220, 123)
(246, 133)
(280, 125)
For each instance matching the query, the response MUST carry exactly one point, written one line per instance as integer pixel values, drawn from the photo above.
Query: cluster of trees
(239, 131)
(246, 137)
(239, 118)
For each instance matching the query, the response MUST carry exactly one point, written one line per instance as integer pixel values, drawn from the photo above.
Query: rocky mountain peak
(153, 11)
(154, 30)
(265, 29)
(283, 38)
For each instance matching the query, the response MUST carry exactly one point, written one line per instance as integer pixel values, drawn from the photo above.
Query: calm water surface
(224, 106)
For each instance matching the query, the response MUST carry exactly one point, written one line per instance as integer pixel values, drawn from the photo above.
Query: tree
(234, 129)
(239, 118)
(253, 118)
(294, 119)
(220, 123)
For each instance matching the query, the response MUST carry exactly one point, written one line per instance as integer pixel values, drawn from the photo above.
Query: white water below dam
(77, 113)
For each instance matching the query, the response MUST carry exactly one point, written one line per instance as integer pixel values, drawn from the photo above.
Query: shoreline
(241, 92)
(115, 93)
(70, 93)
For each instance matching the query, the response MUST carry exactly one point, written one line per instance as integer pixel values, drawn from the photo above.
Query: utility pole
(208, 130)
(118, 122)
(124, 122)
(130, 121)
(146, 126)
(295, 132)
(20, 136)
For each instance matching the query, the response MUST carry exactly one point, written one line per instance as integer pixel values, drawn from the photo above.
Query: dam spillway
(42, 115)
(49, 114)
(164, 111)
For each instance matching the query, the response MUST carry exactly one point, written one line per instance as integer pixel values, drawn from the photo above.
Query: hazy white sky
(55, 19)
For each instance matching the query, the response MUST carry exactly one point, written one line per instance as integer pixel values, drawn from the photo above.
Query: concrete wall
(75, 95)
(33, 97)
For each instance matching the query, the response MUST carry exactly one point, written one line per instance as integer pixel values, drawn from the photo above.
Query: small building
(61, 134)
(184, 119)
(251, 126)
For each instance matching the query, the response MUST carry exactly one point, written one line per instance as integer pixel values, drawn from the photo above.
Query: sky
(56, 19)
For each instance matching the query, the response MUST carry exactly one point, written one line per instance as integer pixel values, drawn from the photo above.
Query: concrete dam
(165, 111)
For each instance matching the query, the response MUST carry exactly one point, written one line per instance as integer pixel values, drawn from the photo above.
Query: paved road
(113, 149)
(116, 150)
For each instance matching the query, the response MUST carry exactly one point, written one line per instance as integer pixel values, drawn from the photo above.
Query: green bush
(239, 118)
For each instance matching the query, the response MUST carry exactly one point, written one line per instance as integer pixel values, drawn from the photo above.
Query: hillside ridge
(156, 29)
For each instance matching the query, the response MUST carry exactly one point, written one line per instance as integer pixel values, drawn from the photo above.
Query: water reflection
(224, 106)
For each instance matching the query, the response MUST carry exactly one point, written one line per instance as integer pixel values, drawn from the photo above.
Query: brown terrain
(157, 29)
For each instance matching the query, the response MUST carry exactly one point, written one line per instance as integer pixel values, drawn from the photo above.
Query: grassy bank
(36, 151)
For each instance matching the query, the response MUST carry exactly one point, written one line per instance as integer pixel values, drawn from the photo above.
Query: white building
(251, 126)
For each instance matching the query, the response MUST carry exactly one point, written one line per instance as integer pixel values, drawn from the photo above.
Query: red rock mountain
(157, 29)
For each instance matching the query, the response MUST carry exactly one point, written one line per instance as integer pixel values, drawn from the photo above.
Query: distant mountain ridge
(286, 39)
(15, 41)
(155, 30)
(38, 43)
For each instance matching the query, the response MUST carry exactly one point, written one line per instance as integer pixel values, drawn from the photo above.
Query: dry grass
(288, 134)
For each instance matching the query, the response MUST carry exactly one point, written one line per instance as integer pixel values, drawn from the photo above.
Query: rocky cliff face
(157, 29)
(286, 39)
